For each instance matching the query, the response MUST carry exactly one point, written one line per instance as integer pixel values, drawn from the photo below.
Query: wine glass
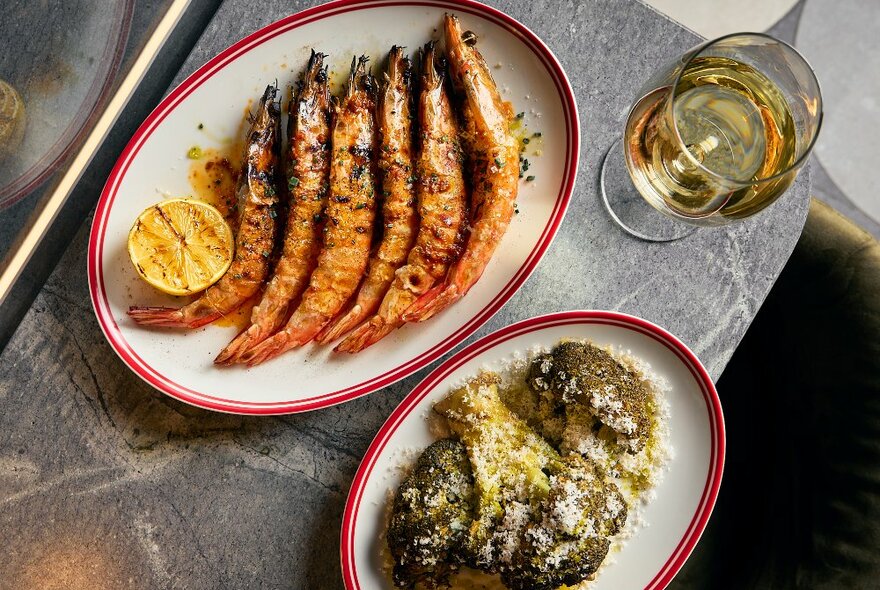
(714, 137)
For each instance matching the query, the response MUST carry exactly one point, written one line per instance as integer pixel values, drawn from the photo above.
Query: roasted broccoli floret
(510, 462)
(541, 520)
(431, 514)
(580, 373)
(569, 539)
(550, 566)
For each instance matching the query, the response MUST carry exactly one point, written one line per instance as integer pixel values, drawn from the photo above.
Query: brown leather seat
(800, 501)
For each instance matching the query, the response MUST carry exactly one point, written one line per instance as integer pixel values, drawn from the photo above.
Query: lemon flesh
(12, 120)
(181, 246)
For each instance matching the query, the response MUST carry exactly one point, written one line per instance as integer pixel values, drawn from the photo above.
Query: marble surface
(105, 483)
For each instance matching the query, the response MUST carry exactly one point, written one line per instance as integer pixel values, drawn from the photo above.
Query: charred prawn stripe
(494, 156)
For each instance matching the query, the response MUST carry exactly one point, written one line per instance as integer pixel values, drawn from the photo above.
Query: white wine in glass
(715, 137)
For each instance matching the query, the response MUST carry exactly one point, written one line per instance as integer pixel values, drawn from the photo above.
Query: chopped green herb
(272, 213)
(292, 182)
(525, 164)
(530, 178)
(360, 205)
(526, 140)
(201, 125)
(520, 115)
(358, 171)
(265, 254)
(536, 134)
(499, 162)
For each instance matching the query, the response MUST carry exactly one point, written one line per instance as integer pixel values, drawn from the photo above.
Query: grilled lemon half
(12, 120)
(181, 246)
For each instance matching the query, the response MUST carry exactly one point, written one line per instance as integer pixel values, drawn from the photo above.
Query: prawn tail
(340, 326)
(277, 345)
(242, 343)
(167, 317)
(365, 335)
(267, 349)
(432, 302)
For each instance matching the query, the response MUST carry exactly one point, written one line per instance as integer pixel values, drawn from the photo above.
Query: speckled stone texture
(106, 483)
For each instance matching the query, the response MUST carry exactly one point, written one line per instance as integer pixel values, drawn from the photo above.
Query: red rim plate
(713, 407)
(205, 400)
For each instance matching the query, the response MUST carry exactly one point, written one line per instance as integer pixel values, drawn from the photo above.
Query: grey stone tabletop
(106, 483)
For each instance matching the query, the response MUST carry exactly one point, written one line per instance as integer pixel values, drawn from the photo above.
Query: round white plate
(154, 166)
(685, 497)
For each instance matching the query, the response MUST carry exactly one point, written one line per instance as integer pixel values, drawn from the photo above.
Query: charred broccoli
(580, 373)
(570, 540)
(430, 516)
(510, 461)
(541, 520)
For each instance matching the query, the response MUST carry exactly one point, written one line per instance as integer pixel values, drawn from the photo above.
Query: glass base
(629, 209)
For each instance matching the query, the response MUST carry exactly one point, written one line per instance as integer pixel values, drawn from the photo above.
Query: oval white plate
(154, 166)
(685, 497)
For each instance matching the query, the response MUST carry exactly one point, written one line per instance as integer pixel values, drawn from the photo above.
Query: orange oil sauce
(240, 318)
(213, 177)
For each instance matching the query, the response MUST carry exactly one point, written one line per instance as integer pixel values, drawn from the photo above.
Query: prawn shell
(350, 216)
(493, 153)
(306, 166)
(442, 205)
(399, 215)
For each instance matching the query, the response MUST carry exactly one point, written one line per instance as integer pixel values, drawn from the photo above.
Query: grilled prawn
(257, 198)
(494, 157)
(307, 166)
(349, 225)
(442, 206)
(399, 216)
